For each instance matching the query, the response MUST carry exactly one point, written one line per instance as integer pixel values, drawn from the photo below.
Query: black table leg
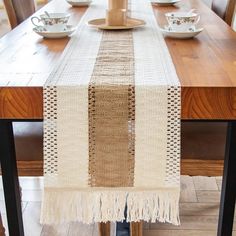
(228, 194)
(123, 228)
(10, 179)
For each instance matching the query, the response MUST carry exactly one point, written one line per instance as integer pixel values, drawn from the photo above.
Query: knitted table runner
(112, 126)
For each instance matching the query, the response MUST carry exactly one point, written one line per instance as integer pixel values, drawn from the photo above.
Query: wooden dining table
(206, 67)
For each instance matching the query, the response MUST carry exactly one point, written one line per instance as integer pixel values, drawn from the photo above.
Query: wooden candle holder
(117, 4)
(116, 14)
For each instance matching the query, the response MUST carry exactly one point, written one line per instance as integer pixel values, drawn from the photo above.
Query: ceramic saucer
(192, 32)
(131, 23)
(165, 2)
(54, 35)
(79, 3)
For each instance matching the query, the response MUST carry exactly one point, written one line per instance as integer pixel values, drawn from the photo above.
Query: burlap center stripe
(112, 113)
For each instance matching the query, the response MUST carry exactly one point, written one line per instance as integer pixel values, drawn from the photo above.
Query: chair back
(225, 9)
(18, 10)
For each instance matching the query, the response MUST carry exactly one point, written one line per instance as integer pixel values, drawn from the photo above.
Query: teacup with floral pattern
(54, 22)
(182, 21)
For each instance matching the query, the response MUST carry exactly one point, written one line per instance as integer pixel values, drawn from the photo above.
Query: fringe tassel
(109, 205)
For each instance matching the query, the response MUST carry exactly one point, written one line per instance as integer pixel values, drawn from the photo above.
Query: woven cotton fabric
(112, 126)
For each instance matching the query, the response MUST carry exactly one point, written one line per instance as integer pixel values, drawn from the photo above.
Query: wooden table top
(206, 65)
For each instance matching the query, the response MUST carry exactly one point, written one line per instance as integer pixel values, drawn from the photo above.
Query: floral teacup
(182, 21)
(54, 22)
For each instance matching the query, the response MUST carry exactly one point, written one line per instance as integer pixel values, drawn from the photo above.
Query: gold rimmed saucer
(131, 24)
(165, 2)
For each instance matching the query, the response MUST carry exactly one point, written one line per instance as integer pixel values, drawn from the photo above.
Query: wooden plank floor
(199, 206)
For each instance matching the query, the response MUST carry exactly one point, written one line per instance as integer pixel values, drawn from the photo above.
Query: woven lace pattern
(111, 113)
(50, 130)
(112, 126)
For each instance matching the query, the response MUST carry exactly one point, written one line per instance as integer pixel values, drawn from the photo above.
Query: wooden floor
(199, 205)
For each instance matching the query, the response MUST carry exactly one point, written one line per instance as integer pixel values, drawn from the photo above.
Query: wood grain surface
(209, 102)
(188, 167)
(195, 167)
(20, 102)
(206, 65)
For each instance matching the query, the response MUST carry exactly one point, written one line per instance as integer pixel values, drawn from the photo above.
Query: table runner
(112, 126)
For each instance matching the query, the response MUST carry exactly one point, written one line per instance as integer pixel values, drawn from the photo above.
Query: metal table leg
(123, 229)
(228, 194)
(10, 179)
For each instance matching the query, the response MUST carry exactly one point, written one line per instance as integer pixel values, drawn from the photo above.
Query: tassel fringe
(109, 205)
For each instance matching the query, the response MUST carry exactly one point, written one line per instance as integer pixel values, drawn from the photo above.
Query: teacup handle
(33, 20)
(192, 11)
(198, 19)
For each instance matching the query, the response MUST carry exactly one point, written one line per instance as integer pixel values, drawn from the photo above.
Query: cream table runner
(112, 126)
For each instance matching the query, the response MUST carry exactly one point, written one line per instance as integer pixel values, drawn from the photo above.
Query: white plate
(181, 35)
(54, 35)
(165, 2)
(79, 3)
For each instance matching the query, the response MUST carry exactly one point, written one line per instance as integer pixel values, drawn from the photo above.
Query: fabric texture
(112, 126)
